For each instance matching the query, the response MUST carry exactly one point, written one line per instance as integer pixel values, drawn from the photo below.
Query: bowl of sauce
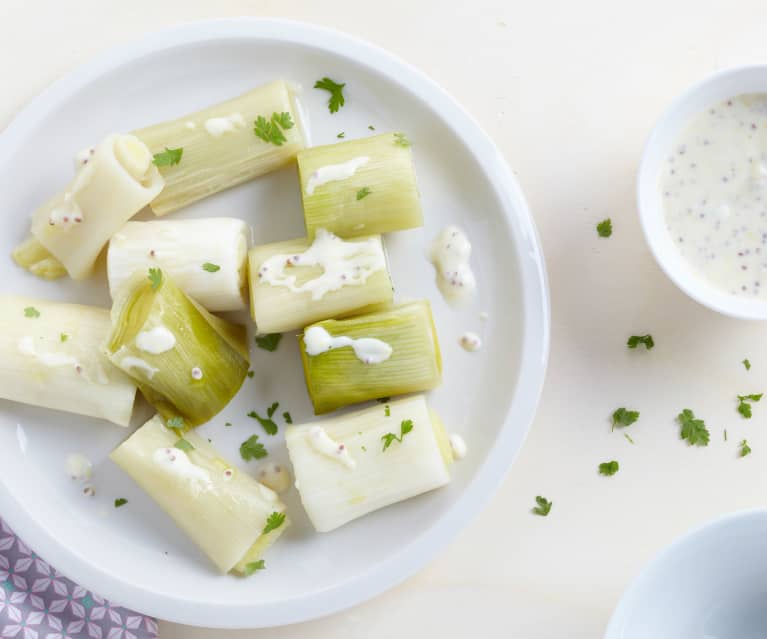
(702, 192)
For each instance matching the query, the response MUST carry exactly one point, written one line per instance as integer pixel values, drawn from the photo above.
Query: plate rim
(533, 354)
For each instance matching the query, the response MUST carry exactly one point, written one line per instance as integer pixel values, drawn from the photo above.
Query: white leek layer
(189, 251)
(54, 360)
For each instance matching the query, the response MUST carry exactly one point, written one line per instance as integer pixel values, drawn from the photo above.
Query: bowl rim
(695, 287)
(533, 353)
(627, 602)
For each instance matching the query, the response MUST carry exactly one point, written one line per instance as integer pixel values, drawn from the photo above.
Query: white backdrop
(569, 91)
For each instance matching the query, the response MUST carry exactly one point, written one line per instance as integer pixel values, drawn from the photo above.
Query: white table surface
(569, 91)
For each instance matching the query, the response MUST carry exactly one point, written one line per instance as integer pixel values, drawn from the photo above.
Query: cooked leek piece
(50, 356)
(222, 509)
(206, 258)
(295, 283)
(343, 472)
(371, 356)
(360, 187)
(186, 362)
(34, 257)
(220, 146)
(112, 184)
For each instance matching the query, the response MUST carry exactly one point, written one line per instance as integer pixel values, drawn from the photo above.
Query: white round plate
(135, 556)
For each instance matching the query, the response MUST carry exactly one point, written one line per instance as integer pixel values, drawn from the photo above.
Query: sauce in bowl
(714, 190)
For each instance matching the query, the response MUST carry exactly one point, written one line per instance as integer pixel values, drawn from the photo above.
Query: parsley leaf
(341, 135)
(744, 408)
(251, 448)
(251, 374)
(605, 228)
(269, 130)
(211, 268)
(175, 422)
(120, 501)
(269, 342)
(363, 192)
(336, 90)
(183, 444)
(623, 417)
(371, 127)
(253, 566)
(747, 364)
(31, 311)
(64, 337)
(274, 521)
(693, 430)
(228, 424)
(544, 506)
(267, 422)
(404, 428)
(628, 438)
(283, 120)
(400, 139)
(609, 468)
(168, 157)
(155, 276)
(387, 411)
(745, 449)
(636, 340)
(286, 416)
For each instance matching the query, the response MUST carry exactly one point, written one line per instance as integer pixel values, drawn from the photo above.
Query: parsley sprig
(609, 468)
(168, 157)
(744, 406)
(267, 422)
(605, 228)
(271, 131)
(155, 277)
(747, 364)
(31, 311)
(636, 340)
(543, 507)
(269, 342)
(120, 501)
(693, 430)
(404, 428)
(211, 268)
(251, 448)
(336, 90)
(623, 417)
(274, 521)
(745, 449)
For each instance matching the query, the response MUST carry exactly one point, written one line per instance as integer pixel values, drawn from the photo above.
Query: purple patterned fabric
(38, 602)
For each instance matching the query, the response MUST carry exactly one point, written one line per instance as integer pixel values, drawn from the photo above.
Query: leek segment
(204, 344)
(338, 378)
(392, 202)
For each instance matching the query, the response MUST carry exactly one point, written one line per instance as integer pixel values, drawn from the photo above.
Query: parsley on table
(693, 430)
(341, 135)
(228, 424)
(211, 268)
(251, 448)
(269, 342)
(605, 228)
(747, 364)
(120, 501)
(271, 131)
(185, 445)
(745, 449)
(543, 507)
(31, 311)
(336, 90)
(175, 422)
(404, 428)
(253, 566)
(609, 468)
(282, 119)
(744, 407)
(64, 337)
(267, 422)
(363, 192)
(155, 276)
(400, 139)
(168, 157)
(371, 127)
(624, 417)
(286, 416)
(274, 521)
(636, 340)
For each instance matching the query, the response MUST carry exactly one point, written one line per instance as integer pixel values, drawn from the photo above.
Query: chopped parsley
(228, 424)
(211, 268)
(251, 373)
(628, 438)
(271, 131)
(745, 449)
(609, 468)
(175, 422)
(636, 340)
(120, 501)
(371, 127)
(404, 428)
(623, 417)
(363, 192)
(251, 448)
(747, 364)
(543, 507)
(387, 411)
(269, 342)
(725, 434)
(31, 311)
(64, 337)
(155, 276)
(364, 450)
(605, 228)
(168, 157)
(693, 430)
(744, 407)
(341, 135)
(185, 445)
(253, 566)
(286, 416)
(336, 90)
(274, 521)
(268, 423)
(400, 139)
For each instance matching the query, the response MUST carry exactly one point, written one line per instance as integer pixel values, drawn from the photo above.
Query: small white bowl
(710, 583)
(710, 91)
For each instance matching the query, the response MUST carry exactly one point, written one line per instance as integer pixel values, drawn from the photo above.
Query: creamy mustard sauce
(368, 350)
